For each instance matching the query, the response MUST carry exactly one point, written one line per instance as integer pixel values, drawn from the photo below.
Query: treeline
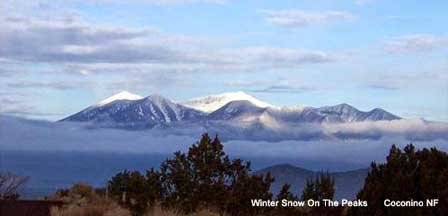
(407, 175)
(206, 178)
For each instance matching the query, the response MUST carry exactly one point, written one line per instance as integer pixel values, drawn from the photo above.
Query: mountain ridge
(239, 119)
(338, 113)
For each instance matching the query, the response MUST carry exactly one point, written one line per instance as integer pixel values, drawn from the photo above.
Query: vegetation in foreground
(204, 181)
(83, 200)
(407, 175)
(10, 185)
(205, 178)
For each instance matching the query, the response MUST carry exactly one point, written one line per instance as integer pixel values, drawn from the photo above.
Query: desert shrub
(135, 191)
(82, 190)
(10, 185)
(82, 200)
(91, 209)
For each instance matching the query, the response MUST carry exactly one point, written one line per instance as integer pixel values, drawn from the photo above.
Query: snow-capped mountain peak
(223, 111)
(212, 103)
(124, 95)
(126, 110)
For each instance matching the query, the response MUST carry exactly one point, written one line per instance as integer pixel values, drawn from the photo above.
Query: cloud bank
(300, 18)
(165, 2)
(29, 135)
(416, 43)
(81, 43)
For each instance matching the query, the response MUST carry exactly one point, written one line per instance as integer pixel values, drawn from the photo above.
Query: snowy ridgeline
(240, 116)
(128, 109)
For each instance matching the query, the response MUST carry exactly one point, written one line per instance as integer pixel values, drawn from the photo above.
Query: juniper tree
(309, 191)
(205, 177)
(154, 187)
(135, 191)
(285, 194)
(202, 178)
(246, 187)
(320, 187)
(407, 174)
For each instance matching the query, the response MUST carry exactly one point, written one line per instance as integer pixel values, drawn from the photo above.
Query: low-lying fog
(18, 134)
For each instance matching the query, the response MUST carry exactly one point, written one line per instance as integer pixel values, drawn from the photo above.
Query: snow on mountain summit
(225, 111)
(212, 103)
(126, 110)
(124, 95)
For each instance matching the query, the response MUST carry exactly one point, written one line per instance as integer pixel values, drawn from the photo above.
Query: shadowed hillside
(347, 184)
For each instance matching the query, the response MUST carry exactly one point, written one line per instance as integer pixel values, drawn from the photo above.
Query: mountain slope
(236, 110)
(347, 184)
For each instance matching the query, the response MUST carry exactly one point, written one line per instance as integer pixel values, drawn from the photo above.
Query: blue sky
(57, 57)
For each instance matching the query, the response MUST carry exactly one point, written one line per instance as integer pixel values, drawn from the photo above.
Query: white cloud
(58, 42)
(364, 2)
(286, 88)
(16, 103)
(84, 72)
(59, 85)
(416, 43)
(402, 80)
(88, 46)
(273, 86)
(69, 43)
(47, 4)
(47, 136)
(300, 18)
(163, 2)
(250, 59)
(79, 50)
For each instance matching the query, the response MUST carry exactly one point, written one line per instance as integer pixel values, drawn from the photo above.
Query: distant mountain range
(237, 115)
(126, 109)
(347, 184)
